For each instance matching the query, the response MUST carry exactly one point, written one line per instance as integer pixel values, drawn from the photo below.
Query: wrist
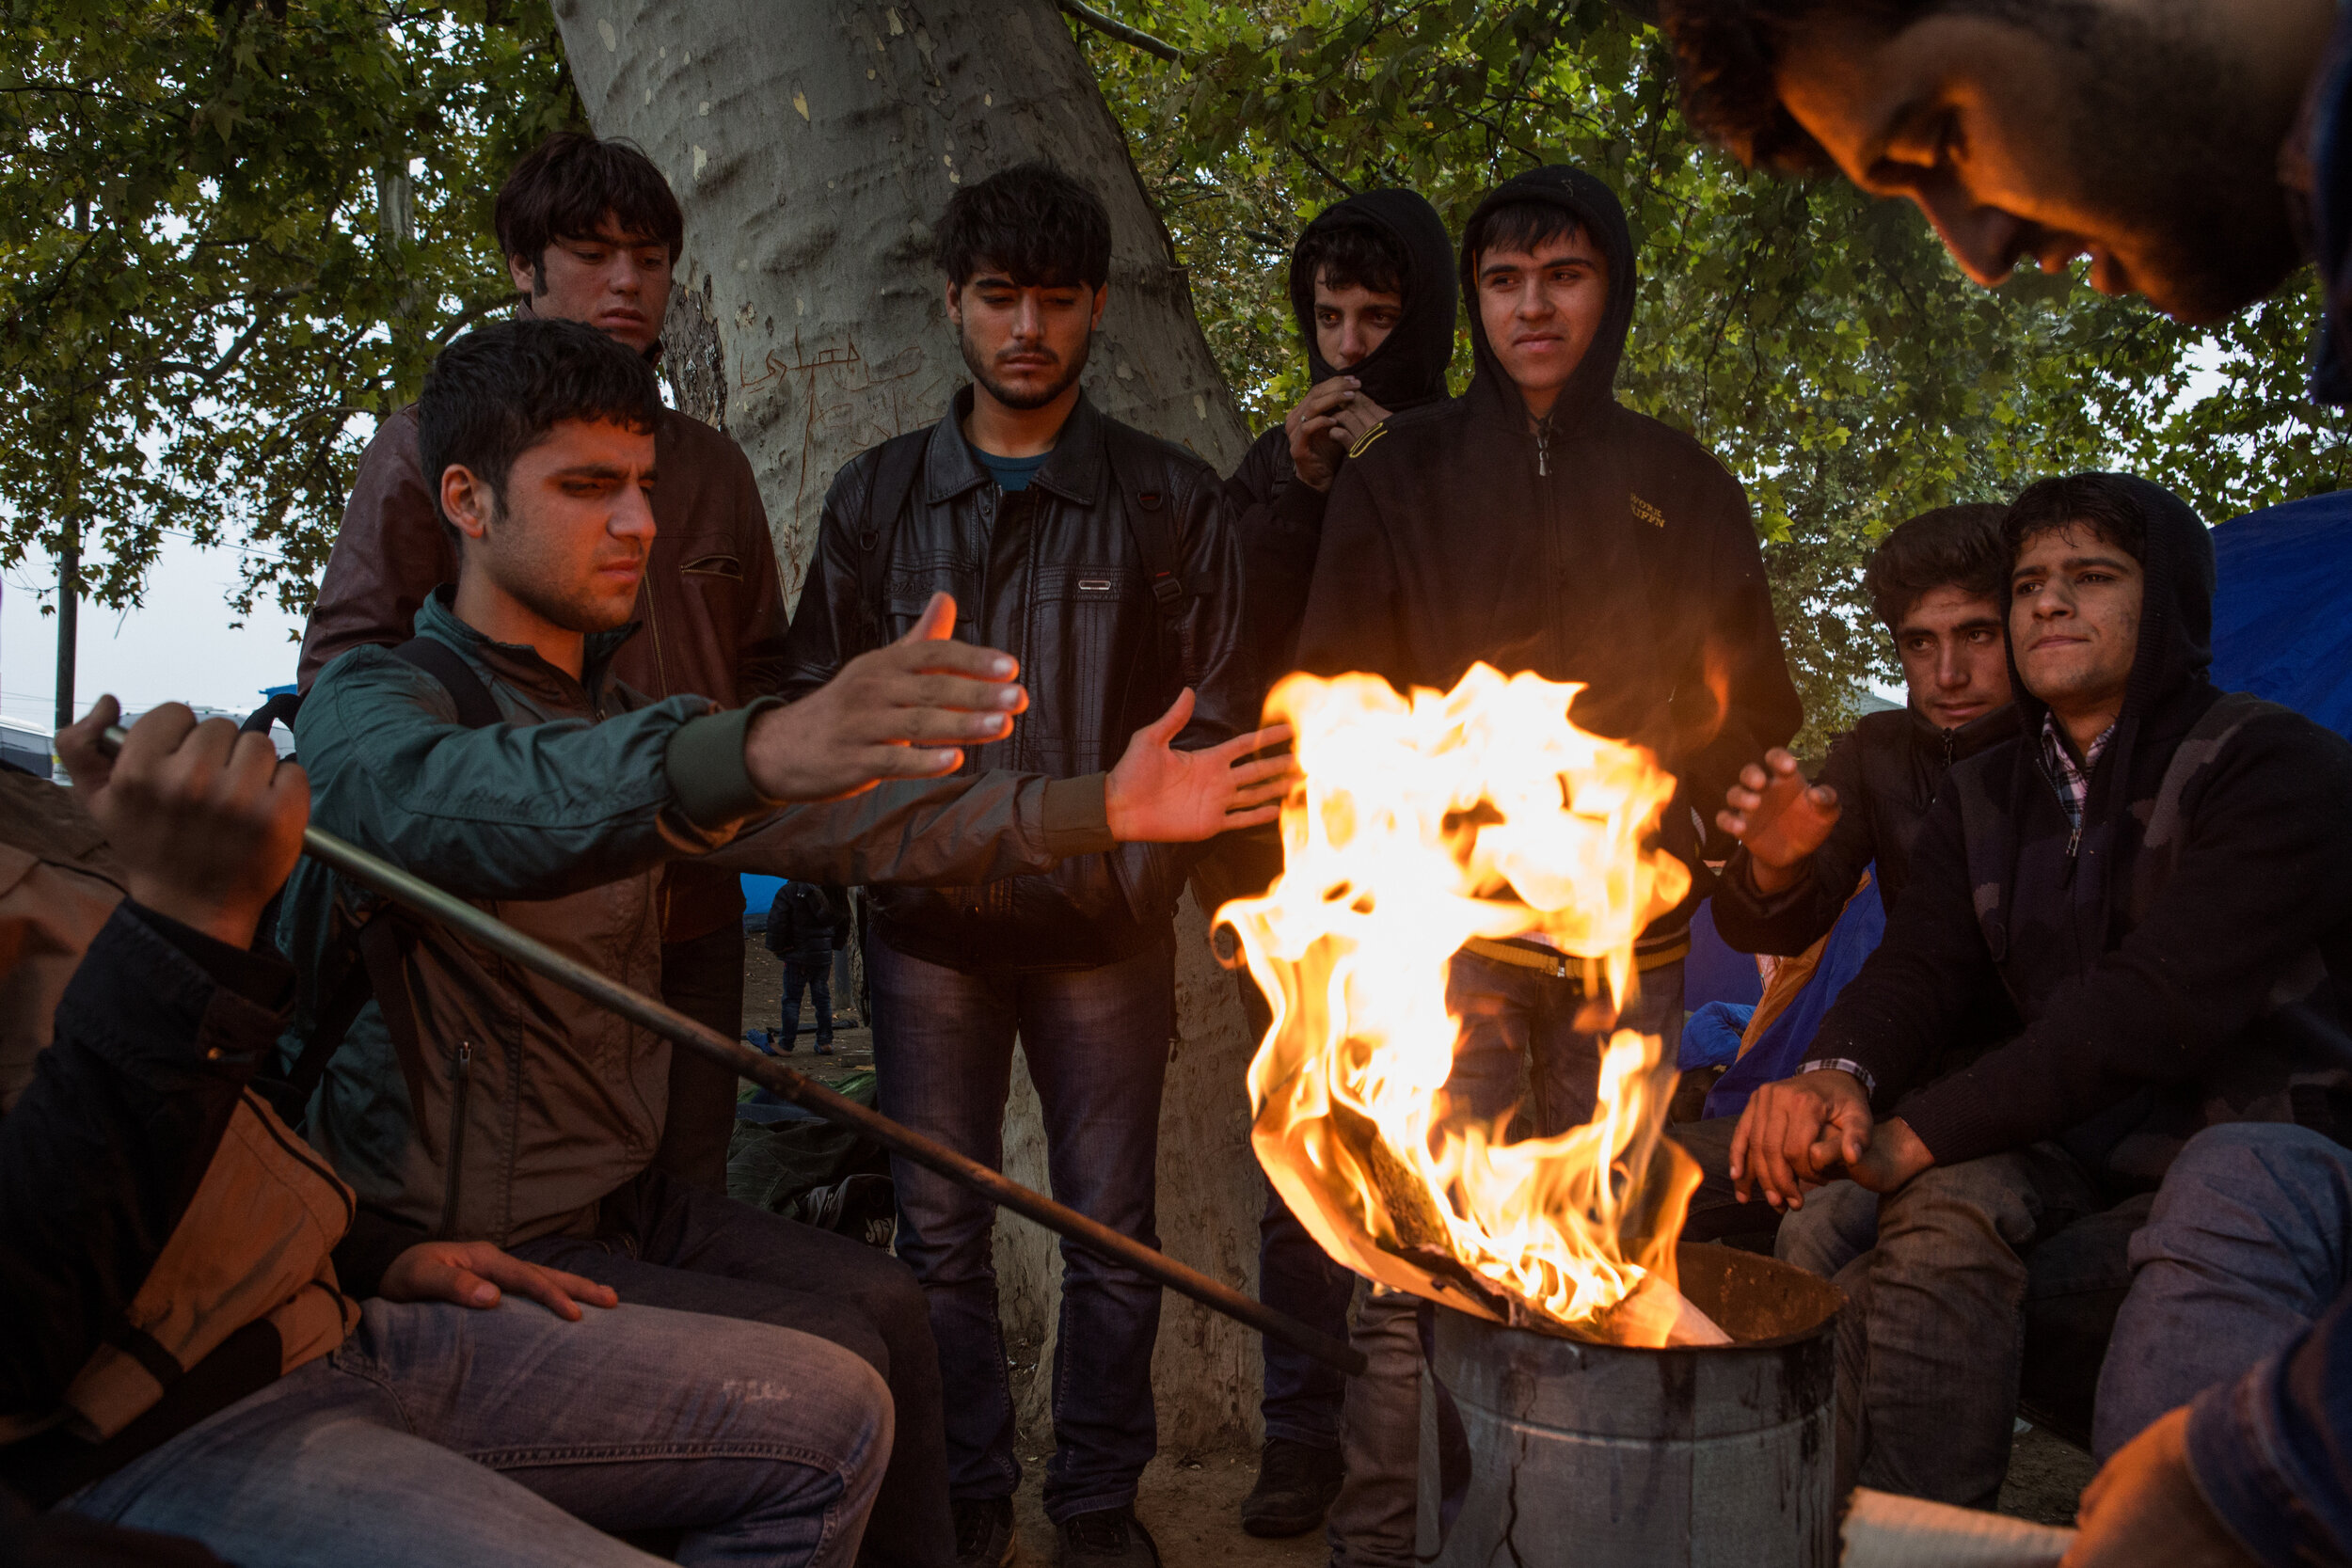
(228, 921)
(1769, 878)
(1119, 808)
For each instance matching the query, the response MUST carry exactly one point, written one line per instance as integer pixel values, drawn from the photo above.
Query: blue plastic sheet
(2280, 622)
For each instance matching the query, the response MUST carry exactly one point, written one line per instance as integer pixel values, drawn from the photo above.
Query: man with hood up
(1372, 287)
(2157, 878)
(1536, 523)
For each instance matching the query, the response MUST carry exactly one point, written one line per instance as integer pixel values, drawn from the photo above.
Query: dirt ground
(1190, 1502)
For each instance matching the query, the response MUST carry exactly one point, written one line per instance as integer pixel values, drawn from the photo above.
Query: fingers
(906, 762)
(1262, 771)
(916, 655)
(937, 624)
(80, 745)
(1742, 1182)
(1160, 731)
(1782, 761)
(1254, 816)
(550, 1288)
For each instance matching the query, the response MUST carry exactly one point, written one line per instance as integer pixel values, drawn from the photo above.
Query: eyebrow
(601, 470)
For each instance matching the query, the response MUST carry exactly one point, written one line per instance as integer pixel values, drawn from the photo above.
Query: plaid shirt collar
(2073, 784)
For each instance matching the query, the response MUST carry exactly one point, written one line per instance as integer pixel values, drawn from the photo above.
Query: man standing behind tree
(1102, 559)
(590, 231)
(1372, 287)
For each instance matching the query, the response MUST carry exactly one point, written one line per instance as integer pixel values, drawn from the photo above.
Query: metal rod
(1096, 1237)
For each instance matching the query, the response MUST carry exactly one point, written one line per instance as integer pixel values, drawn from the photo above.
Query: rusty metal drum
(1604, 1456)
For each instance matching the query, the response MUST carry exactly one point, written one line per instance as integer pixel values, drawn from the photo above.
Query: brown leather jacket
(712, 605)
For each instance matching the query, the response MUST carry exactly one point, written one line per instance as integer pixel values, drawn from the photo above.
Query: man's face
(2089, 131)
(1351, 321)
(1024, 343)
(2073, 617)
(1955, 661)
(617, 283)
(570, 540)
(1541, 309)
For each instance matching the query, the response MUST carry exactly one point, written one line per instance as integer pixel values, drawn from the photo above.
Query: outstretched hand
(1779, 817)
(899, 712)
(207, 822)
(471, 1273)
(1158, 795)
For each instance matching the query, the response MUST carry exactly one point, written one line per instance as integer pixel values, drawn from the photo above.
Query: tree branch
(1113, 27)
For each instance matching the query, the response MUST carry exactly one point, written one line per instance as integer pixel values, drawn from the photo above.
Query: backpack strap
(366, 949)
(476, 709)
(886, 503)
(279, 709)
(1137, 468)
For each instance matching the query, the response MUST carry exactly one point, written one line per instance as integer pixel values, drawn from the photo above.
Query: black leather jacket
(1052, 575)
(1886, 770)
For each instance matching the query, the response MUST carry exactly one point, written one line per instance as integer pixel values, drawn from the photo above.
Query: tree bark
(813, 145)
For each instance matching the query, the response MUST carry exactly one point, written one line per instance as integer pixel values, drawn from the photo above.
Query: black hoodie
(2181, 962)
(1599, 545)
(1281, 522)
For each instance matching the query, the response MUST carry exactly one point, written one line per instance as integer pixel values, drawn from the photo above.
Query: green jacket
(504, 1107)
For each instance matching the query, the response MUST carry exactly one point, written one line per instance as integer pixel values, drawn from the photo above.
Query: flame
(1421, 822)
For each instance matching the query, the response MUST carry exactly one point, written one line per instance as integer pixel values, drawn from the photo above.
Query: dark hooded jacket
(1886, 770)
(2180, 961)
(1597, 544)
(1280, 521)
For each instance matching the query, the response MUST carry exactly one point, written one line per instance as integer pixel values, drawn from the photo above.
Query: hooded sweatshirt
(1596, 544)
(1281, 520)
(2180, 961)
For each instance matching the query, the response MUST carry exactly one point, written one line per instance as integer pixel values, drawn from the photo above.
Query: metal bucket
(1602, 1456)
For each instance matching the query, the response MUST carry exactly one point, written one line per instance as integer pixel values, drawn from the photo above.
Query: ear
(1102, 297)
(526, 276)
(466, 502)
(955, 302)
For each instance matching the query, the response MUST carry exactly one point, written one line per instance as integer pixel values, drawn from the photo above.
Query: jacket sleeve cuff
(262, 978)
(1077, 819)
(369, 1250)
(707, 774)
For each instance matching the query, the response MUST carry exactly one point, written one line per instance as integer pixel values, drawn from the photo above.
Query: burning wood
(1420, 823)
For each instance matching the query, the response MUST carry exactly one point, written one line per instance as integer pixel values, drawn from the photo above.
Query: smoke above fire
(1421, 822)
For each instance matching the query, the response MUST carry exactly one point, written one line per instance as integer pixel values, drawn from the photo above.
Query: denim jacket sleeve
(2272, 1450)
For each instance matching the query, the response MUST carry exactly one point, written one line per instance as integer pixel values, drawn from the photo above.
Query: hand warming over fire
(1779, 817)
(899, 712)
(1158, 795)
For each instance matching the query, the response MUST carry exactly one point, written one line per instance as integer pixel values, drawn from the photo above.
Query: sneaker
(984, 1532)
(824, 1048)
(1107, 1538)
(1295, 1485)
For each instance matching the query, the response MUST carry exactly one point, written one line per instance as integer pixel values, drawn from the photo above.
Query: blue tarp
(758, 894)
(2282, 616)
(1782, 1045)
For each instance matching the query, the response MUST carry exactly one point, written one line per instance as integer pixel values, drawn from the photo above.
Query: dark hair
(1033, 220)
(564, 186)
(1952, 547)
(496, 392)
(1517, 226)
(1352, 252)
(1728, 51)
(2101, 501)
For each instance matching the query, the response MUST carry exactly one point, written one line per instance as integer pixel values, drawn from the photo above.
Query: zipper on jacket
(1543, 449)
(2075, 839)
(460, 1081)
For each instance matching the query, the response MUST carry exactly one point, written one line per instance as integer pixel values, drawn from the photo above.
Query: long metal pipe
(423, 896)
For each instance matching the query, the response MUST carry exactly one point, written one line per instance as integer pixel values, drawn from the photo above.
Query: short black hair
(564, 186)
(495, 393)
(1041, 225)
(2102, 501)
(1517, 226)
(1952, 547)
(1352, 252)
(1727, 52)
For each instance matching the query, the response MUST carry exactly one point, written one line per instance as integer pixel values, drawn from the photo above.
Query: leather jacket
(1886, 770)
(713, 604)
(1053, 575)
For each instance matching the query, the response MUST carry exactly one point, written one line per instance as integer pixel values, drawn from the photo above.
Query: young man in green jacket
(495, 755)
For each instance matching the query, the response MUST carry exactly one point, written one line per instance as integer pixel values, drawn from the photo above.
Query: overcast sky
(177, 646)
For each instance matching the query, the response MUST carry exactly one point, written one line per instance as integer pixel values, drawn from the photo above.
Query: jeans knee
(2260, 1158)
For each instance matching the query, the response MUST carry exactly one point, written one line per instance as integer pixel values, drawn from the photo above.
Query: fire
(1421, 822)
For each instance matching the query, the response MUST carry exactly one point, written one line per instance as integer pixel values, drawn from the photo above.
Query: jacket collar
(1074, 471)
(518, 663)
(1980, 734)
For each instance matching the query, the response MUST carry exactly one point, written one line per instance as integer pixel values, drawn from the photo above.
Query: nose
(1986, 241)
(632, 516)
(1027, 321)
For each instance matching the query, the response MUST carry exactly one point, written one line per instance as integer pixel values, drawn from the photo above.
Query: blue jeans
(1096, 1044)
(444, 1434)
(1522, 1025)
(2249, 1241)
(812, 973)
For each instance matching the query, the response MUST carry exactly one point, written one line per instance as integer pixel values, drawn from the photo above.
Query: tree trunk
(813, 145)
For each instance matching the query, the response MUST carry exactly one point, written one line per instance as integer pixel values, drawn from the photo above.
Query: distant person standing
(806, 924)
(590, 231)
(1102, 559)
(1372, 288)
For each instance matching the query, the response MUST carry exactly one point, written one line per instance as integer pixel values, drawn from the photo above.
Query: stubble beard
(983, 372)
